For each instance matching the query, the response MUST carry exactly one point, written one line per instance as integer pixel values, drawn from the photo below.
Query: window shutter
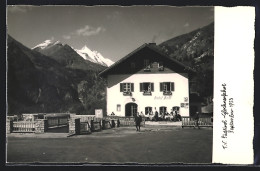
(161, 86)
(121, 87)
(152, 88)
(132, 87)
(172, 86)
(141, 87)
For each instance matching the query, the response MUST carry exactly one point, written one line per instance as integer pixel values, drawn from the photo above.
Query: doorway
(130, 109)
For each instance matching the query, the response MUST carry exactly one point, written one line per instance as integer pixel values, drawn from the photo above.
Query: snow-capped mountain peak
(93, 56)
(84, 52)
(43, 44)
(47, 43)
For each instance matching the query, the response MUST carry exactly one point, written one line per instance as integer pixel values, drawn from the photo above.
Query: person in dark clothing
(138, 120)
(196, 118)
(156, 116)
(178, 116)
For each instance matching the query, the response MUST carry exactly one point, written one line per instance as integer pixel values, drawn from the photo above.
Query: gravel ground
(155, 144)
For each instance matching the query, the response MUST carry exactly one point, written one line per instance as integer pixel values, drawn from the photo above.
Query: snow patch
(43, 44)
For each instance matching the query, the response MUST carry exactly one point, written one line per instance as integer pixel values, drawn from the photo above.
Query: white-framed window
(118, 107)
(148, 110)
(163, 109)
(167, 88)
(146, 87)
(127, 88)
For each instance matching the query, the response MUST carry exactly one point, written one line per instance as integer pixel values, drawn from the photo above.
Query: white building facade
(146, 81)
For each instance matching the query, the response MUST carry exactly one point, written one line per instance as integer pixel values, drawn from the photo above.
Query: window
(163, 110)
(177, 108)
(148, 110)
(127, 88)
(147, 65)
(167, 88)
(146, 88)
(160, 66)
(118, 108)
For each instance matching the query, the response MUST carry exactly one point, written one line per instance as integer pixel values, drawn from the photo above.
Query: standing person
(171, 115)
(175, 115)
(138, 120)
(151, 115)
(156, 115)
(196, 118)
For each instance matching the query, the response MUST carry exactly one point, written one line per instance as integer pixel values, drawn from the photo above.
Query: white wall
(157, 99)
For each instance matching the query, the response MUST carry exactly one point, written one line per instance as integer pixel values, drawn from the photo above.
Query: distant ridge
(196, 49)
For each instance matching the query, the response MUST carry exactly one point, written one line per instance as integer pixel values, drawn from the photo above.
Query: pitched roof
(151, 46)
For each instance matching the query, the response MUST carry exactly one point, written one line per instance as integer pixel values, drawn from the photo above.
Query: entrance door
(130, 109)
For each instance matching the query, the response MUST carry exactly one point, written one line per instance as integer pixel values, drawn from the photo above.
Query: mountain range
(196, 49)
(58, 50)
(55, 77)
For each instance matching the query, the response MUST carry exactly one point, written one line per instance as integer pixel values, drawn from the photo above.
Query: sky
(113, 31)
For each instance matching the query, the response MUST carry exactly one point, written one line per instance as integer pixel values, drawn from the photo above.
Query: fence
(23, 126)
(203, 122)
(57, 121)
(123, 120)
(85, 118)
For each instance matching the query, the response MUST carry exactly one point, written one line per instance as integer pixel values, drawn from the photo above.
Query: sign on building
(98, 113)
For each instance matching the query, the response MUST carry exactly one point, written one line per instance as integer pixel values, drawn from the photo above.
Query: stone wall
(41, 126)
(74, 126)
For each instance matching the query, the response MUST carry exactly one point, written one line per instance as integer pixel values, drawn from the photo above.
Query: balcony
(147, 93)
(147, 69)
(161, 68)
(127, 93)
(167, 93)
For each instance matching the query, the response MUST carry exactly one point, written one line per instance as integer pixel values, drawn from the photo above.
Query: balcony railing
(161, 68)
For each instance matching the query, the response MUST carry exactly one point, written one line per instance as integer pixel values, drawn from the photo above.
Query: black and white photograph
(110, 84)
